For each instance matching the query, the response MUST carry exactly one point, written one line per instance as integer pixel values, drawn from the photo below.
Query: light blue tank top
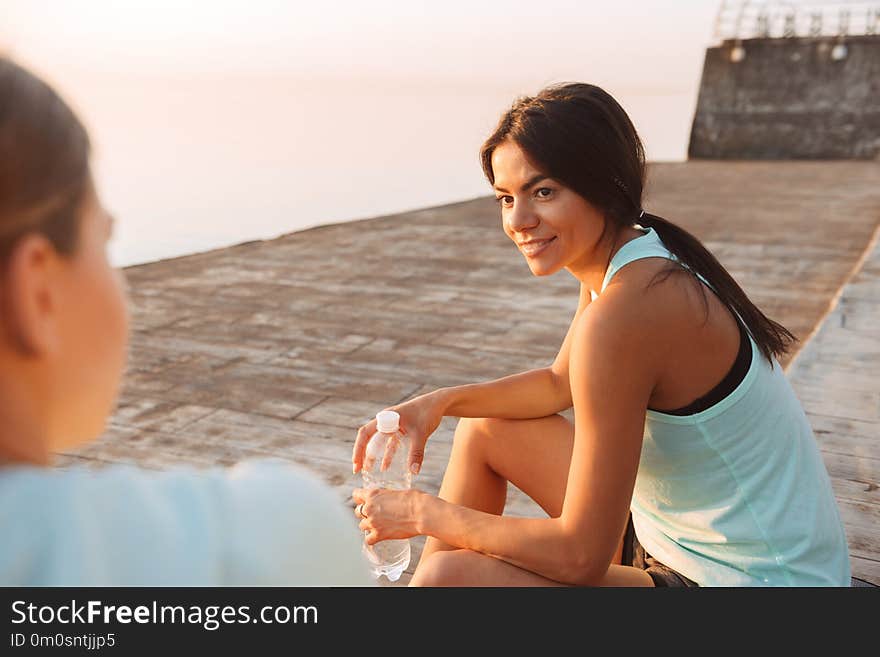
(737, 494)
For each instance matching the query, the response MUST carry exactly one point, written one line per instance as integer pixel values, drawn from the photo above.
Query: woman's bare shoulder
(652, 299)
(659, 286)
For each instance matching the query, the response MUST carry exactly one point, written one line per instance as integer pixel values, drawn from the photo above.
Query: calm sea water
(192, 163)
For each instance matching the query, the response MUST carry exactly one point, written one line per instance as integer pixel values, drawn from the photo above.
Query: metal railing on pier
(745, 19)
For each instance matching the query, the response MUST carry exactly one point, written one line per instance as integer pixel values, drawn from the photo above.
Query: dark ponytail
(579, 135)
(771, 337)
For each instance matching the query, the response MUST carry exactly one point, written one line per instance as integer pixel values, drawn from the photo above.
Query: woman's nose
(521, 218)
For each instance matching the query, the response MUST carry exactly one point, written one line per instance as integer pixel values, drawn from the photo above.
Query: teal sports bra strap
(646, 246)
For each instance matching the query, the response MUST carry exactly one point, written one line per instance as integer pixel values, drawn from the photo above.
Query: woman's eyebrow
(531, 182)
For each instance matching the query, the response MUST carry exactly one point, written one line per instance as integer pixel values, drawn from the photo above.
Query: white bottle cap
(387, 421)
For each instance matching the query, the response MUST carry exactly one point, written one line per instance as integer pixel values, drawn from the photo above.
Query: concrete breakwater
(283, 348)
(780, 98)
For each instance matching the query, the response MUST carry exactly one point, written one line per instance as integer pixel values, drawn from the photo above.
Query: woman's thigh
(467, 568)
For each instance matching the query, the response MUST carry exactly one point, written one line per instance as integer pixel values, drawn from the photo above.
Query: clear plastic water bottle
(385, 466)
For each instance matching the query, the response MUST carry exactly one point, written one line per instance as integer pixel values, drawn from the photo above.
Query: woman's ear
(30, 292)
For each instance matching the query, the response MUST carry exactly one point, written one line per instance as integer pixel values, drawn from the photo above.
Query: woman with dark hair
(63, 336)
(690, 460)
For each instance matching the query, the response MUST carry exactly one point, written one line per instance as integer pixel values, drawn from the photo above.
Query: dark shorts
(634, 555)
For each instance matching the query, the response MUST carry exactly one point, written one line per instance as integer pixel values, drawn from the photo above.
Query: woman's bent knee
(446, 568)
(473, 431)
(472, 425)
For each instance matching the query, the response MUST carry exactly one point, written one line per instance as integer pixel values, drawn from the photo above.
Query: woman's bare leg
(467, 568)
(488, 452)
(534, 455)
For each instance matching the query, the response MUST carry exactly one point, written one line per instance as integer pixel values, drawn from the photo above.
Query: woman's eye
(504, 200)
(544, 192)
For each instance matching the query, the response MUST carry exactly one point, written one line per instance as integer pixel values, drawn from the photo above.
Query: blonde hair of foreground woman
(63, 338)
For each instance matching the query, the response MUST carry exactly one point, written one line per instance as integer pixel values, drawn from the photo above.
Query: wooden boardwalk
(284, 347)
(837, 377)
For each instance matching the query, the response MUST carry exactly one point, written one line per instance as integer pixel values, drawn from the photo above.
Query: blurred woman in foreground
(63, 335)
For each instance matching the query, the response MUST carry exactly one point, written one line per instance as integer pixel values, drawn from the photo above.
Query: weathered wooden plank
(866, 569)
(348, 413)
(862, 523)
(854, 478)
(845, 435)
(856, 491)
(852, 404)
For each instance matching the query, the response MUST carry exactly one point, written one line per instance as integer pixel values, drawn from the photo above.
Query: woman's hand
(385, 513)
(419, 418)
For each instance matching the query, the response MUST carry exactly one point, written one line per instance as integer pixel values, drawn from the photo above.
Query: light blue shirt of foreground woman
(63, 343)
(257, 523)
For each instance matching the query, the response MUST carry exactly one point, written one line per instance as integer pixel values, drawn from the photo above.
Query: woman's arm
(536, 393)
(613, 371)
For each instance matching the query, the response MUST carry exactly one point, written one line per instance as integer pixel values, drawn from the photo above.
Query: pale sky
(636, 43)
(211, 120)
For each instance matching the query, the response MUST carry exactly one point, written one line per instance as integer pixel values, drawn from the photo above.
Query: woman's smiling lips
(531, 248)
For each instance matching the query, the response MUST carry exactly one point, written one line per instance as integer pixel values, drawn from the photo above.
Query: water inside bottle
(389, 558)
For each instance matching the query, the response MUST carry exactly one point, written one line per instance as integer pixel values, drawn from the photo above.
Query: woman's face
(92, 334)
(553, 226)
